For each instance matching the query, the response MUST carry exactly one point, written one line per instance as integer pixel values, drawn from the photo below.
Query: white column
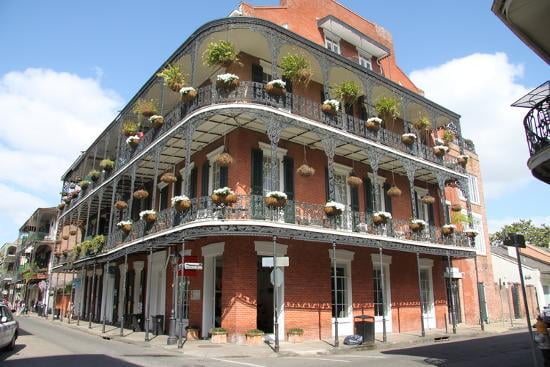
(138, 268)
(122, 270)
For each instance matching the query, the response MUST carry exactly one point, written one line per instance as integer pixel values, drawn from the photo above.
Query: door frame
(343, 258)
(209, 253)
(429, 317)
(386, 262)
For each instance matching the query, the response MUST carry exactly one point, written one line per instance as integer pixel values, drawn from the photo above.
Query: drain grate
(441, 339)
(209, 346)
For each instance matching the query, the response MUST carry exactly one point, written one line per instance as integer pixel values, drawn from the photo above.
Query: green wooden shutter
(177, 185)
(257, 73)
(205, 176)
(354, 196)
(327, 191)
(369, 197)
(387, 199)
(288, 169)
(193, 183)
(257, 172)
(431, 217)
(224, 173)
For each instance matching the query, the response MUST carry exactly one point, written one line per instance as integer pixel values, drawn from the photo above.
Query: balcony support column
(98, 211)
(104, 299)
(325, 71)
(64, 309)
(463, 186)
(148, 294)
(91, 304)
(156, 153)
(374, 161)
(124, 275)
(367, 86)
(88, 202)
(111, 213)
(275, 44)
(329, 145)
(117, 151)
(410, 168)
(441, 178)
(188, 133)
(132, 187)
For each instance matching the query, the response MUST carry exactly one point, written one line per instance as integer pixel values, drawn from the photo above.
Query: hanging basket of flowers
(121, 204)
(417, 225)
(168, 178)
(462, 160)
(394, 191)
(130, 128)
(276, 87)
(223, 195)
(125, 226)
(156, 121)
(188, 94)
(181, 203)
(133, 140)
(173, 77)
(456, 207)
(330, 107)
(84, 184)
(333, 209)
(275, 199)
(423, 123)
(408, 138)
(227, 82)
(72, 231)
(428, 199)
(373, 124)
(65, 236)
(448, 229)
(61, 206)
(471, 233)
(379, 218)
(353, 180)
(296, 67)
(224, 159)
(107, 165)
(221, 53)
(148, 215)
(94, 175)
(440, 150)
(141, 194)
(146, 107)
(305, 171)
(67, 198)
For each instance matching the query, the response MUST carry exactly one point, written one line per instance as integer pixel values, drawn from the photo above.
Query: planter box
(294, 338)
(219, 338)
(254, 339)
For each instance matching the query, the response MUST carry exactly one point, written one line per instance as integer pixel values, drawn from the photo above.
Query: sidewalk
(205, 349)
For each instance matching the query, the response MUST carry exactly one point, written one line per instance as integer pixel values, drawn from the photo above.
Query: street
(46, 344)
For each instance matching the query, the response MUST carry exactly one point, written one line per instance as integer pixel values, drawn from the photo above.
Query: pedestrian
(543, 340)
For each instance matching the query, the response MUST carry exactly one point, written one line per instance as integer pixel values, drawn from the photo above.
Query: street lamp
(172, 338)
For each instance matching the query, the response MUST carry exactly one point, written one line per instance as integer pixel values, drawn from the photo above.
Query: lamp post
(172, 338)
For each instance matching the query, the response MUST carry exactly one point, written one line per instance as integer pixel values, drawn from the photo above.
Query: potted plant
(223, 195)
(94, 175)
(227, 82)
(387, 108)
(440, 150)
(148, 215)
(408, 138)
(219, 335)
(141, 194)
(296, 68)
(125, 226)
(254, 337)
(156, 121)
(107, 165)
(470, 232)
(394, 191)
(168, 178)
(462, 160)
(84, 184)
(456, 207)
(305, 170)
(61, 206)
(422, 123)
(145, 107)
(448, 137)
(353, 180)
(448, 229)
(330, 106)
(173, 77)
(417, 225)
(181, 203)
(130, 128)
(221, 53)
(333, 208)
(192, 333)
(373, 124)
(188, 94)
(348, 92)
(294, 335)
(275, 199)
(276, 87)
(67, 198)
(133, 140)
(427, 199)
(224, 159)
(121, 204)
(380, 217)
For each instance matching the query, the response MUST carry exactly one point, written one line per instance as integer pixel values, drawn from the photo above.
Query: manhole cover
(209, 346)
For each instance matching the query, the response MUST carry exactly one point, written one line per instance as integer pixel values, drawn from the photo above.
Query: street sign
(267, 262)
(187, 270)
(514, 240)
(192, 266)
(279, 277)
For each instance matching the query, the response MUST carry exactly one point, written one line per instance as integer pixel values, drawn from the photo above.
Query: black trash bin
(364, 326)
(159, 325)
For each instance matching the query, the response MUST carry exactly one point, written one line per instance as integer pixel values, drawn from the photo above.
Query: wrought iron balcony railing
(252, 207)
(537, 126)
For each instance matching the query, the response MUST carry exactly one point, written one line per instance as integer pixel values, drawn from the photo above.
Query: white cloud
(481, 87)
(497, 224)
(48, 118)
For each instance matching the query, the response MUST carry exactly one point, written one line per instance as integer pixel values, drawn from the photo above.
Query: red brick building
(407, 276)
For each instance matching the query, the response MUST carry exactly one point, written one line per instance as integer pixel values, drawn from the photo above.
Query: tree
(538, 236)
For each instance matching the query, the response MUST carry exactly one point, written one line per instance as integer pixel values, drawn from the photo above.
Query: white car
(9, 328)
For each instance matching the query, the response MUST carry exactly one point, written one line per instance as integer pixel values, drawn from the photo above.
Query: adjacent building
(305, 181)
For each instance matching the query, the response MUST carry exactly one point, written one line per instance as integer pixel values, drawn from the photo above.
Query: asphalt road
(43, 344)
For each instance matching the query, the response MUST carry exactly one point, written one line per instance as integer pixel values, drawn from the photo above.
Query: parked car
(9, 328)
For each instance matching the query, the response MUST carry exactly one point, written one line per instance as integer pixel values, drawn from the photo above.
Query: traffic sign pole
(275, 297)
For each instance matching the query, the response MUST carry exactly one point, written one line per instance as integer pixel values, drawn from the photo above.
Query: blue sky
(107, 49)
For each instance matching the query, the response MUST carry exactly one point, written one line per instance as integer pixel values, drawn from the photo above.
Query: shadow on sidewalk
(80, 360)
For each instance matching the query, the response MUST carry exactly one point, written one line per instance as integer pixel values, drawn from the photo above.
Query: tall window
(472, 186)
(365, 62)
(421, 208)
(267, 174)
(379, 309)
(477, 223)
(340, 295)
(425, 289)
(215, 175)
(341, 188)
(332, 45)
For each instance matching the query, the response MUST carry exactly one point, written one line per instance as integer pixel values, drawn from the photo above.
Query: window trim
(386, 262)
(365, 56)
(182, 173)
(420, 191)
(481, 235)
(343, 259)
(381, 181)
(210, 157)
(281, 153)
(334, 40)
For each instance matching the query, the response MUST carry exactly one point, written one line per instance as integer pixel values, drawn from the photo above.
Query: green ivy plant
(296, 68)
(348, 92)
(221, 53)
